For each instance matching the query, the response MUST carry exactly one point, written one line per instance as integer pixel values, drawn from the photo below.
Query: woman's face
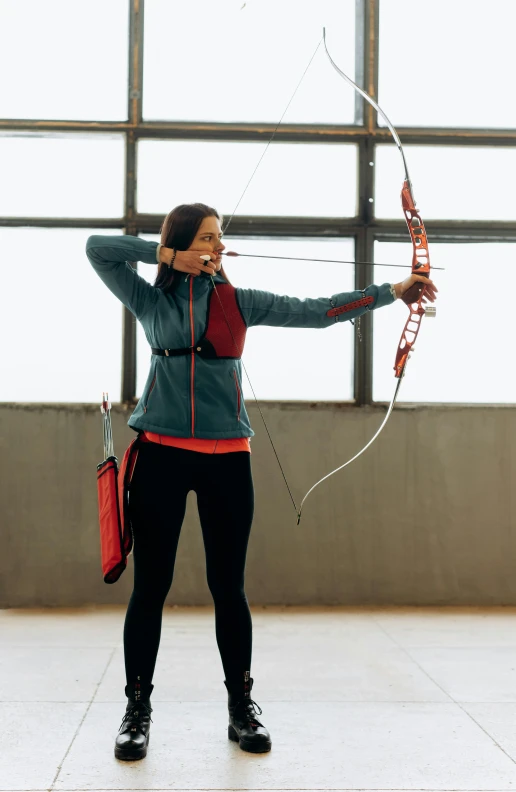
(208, 237)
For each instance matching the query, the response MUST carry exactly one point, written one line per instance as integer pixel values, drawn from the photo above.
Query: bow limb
(372, 103)
(215, 287)
(371, 441)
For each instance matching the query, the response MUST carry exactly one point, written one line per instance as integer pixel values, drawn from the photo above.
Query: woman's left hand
(430, 291)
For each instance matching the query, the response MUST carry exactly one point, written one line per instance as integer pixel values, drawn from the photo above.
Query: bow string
(224, 230)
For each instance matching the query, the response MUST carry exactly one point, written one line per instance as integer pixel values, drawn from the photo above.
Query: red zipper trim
(350, 306)
(150, 391)
(238, 393)
(193, 356)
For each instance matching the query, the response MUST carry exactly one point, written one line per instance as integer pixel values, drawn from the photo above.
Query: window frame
(364, 228)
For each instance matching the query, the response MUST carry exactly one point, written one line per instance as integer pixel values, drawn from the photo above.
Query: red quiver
(116, 537)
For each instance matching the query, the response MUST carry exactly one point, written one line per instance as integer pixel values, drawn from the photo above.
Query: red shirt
(201, 444)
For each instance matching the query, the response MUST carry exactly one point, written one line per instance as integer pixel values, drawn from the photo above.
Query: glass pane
(64, 60)
(472, 183)
(460, 355)
(465, 83)
(292, 179)
(64, 326)
(309, 364)
(62, 176)
(245, 60)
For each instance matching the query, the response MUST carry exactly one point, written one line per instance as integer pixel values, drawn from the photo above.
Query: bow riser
(408, 338)
(413, 297)
(416, 227)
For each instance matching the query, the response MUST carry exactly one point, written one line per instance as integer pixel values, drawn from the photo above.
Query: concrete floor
(355, 699)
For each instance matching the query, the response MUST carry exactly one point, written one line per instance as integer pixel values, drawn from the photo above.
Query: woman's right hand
(189, 261)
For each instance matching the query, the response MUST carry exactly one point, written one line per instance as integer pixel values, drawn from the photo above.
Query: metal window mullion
(134, 114)
(366, 78)
(272, 226)
(364, 249)
(449, 231)
(324, 133)
(62, 222)
(364, 275)
(371, 62)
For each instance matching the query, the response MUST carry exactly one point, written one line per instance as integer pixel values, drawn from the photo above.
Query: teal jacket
(190, 396)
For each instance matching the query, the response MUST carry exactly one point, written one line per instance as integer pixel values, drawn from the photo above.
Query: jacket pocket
(149, 394)
(238, 394)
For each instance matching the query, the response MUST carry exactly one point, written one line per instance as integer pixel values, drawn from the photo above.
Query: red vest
(218, 340)
(224, 334)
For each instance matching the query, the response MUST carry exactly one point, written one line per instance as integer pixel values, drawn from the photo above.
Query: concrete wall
(426, 516)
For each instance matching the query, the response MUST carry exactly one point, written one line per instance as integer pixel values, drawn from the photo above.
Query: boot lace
(132, 714)
(247, 707)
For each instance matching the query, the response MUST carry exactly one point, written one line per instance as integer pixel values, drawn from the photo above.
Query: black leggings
(162, 478)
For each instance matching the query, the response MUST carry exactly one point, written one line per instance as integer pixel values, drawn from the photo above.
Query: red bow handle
(413, 297)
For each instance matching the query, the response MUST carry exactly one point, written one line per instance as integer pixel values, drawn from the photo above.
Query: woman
(195, 434)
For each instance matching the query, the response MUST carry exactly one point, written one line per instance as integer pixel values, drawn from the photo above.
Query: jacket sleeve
(264, 308)
(109, 257)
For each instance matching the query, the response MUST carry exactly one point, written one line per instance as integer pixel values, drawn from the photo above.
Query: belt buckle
(166, 353)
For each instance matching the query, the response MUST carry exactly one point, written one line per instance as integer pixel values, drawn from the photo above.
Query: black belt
(174, 352)
(202, 348)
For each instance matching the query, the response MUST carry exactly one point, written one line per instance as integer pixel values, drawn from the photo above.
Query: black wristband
(172, 259)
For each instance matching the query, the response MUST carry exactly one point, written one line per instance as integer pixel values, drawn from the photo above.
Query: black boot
(133, 735)
(244, 726)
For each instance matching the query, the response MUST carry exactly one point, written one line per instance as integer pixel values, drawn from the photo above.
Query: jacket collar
(201, 284)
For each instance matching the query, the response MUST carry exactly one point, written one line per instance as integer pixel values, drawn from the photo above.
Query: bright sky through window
(245, 59)
(447, 64)
(64, 60)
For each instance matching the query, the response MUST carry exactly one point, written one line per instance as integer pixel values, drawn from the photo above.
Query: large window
(459, 356)
(459, 183)
(63, 175)
(61, 329)
(64, 60)
(244, 61)
(444, 65)
(303, 179)
(113, 113)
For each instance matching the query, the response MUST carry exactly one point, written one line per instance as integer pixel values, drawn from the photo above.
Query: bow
(414, 296)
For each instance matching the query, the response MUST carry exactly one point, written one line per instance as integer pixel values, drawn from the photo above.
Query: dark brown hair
(178, 231)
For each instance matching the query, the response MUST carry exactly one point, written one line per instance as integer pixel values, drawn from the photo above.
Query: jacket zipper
(238, 393)
(193, 356)
(149, 394)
